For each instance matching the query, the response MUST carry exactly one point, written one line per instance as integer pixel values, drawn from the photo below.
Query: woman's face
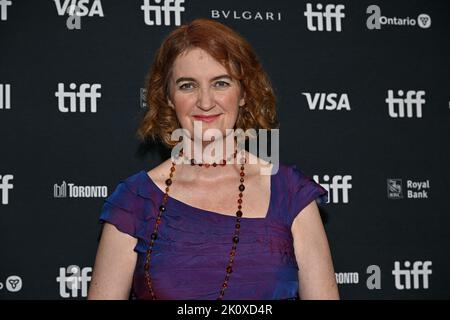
(201, 86)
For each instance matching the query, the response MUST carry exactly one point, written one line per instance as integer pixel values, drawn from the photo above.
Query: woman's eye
(222, 83)
(219, 84)
(186, 86)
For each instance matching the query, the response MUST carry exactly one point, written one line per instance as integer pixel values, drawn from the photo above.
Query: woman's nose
(205, 99)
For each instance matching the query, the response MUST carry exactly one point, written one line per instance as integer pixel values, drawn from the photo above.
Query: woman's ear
(169, 102)
(242, 100)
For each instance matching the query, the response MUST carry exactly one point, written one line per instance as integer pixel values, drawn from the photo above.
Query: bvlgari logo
(247, 15)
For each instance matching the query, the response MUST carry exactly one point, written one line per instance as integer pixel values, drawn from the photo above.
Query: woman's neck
(210, 152)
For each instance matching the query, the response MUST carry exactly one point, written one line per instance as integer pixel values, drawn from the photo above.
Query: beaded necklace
(162, 208)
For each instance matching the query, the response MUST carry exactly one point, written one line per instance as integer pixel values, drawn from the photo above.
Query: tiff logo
(338, 185)
(4, 9)
(168, 7)
(5, 96)
(77, 280)
(82, 94)
(315, 19)
(397, 105)
(420, 269)
(5, 186)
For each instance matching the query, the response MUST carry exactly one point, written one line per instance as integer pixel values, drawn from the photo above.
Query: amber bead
(235, 239)
(241, 187)
(162, 208)
(239, 213)
(168, 182)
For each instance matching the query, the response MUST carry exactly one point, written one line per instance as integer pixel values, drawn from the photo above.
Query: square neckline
(226, 216)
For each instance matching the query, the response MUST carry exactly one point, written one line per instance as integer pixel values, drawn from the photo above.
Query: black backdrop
(381, 157)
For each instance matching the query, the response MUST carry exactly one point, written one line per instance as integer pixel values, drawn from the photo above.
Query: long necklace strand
(162, 208)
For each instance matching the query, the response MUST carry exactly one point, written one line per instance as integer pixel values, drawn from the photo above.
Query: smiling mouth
(206, 118)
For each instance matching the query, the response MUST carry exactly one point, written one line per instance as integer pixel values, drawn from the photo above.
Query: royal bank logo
(5, 96)
(327, 101)
(337, 186)
(78, 98)
(413, 189)
(246, 15)
(375, 21)
(328, 17)
(410, 106)
(70, 190)
(155, 13)
(74, 281)
(4, 4)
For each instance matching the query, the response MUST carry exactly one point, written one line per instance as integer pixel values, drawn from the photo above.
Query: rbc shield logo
(394, 189)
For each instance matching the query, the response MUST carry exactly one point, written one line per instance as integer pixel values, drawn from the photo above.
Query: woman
(216, 228)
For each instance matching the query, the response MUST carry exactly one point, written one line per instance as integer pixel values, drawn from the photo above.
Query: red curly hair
(233, 52)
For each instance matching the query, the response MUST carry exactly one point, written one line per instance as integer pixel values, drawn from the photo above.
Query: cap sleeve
(120, 209)
(303, 190)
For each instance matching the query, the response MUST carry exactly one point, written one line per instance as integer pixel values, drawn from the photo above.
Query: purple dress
(192, 249)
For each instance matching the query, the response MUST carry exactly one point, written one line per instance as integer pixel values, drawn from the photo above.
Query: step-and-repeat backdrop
(363, 103)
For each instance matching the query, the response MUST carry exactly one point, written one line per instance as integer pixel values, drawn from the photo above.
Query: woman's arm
(316, 273)
(114, 265)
